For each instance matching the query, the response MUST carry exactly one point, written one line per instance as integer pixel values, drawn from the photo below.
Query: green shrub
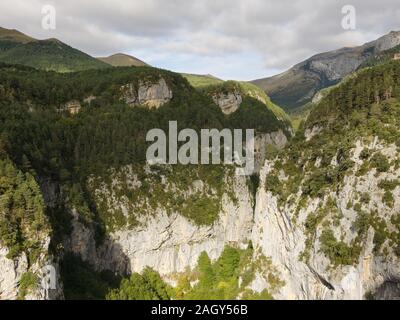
(380, 162)
(338, 252)
(389, 185)
(273, 184)
(388, 199)
(365, 154)
(365, 198)
(145, 286)
(29, 282)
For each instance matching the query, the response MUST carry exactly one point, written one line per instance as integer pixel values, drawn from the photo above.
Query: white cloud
(206, 33)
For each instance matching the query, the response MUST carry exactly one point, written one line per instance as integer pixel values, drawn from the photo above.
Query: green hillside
(381, 58)
(361, 109)
(106, 134)
(50, 55)
(256, 104)
(14, 36)
(199, 81)
(122, 60)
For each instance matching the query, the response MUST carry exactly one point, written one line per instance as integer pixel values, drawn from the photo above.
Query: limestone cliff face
(149, 93)
(284, 239)
(261, 143)
(164, 240)
(32, 273)
(43, 275)
(229, 102)
(10, 273)
(168, 242)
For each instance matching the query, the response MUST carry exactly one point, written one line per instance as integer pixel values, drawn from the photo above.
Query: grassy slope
(198, 81)
(14, 35)
(255, 98)
(50, 54)
(288, 89)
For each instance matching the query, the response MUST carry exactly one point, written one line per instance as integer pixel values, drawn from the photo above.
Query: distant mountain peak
(298, 85)
(123, 60)
(14, 36)
(49, 54)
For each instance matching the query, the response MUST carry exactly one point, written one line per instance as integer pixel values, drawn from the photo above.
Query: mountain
(69, 143)
(317, 219)
(50, 54)
(13, 35)
(122, 60)
(297, 86)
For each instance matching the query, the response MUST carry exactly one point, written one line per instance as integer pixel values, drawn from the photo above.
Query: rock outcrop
(11, 272)
(72, 107)
(43, 282)
(148, 93)
(229, 102)
(262, 142)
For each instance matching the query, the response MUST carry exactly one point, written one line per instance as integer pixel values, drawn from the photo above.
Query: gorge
(318, 218)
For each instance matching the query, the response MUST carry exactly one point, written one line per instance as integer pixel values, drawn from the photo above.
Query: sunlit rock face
(374, 274)
(150, 94)
(168, 242)
(228, 102)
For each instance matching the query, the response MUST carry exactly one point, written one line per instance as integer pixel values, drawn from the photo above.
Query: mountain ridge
(122, 60)
(297, 85)
(14, 35)
(48, 54)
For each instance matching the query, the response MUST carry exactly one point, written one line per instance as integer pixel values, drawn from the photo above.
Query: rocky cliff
(285, 239)
(152, 94)
(20, 280)
(322, 214)
(167, 241)
(171, 243)
(228, 102)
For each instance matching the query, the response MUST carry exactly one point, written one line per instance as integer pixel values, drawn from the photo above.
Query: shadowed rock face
(152, 95)
(389, 290)
(298, 85)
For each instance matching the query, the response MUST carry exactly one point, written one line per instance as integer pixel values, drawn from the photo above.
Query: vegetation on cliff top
(23, 223)
(360, 109)
(68, 149)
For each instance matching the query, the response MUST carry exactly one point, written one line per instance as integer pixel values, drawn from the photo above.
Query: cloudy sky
(231, 39)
